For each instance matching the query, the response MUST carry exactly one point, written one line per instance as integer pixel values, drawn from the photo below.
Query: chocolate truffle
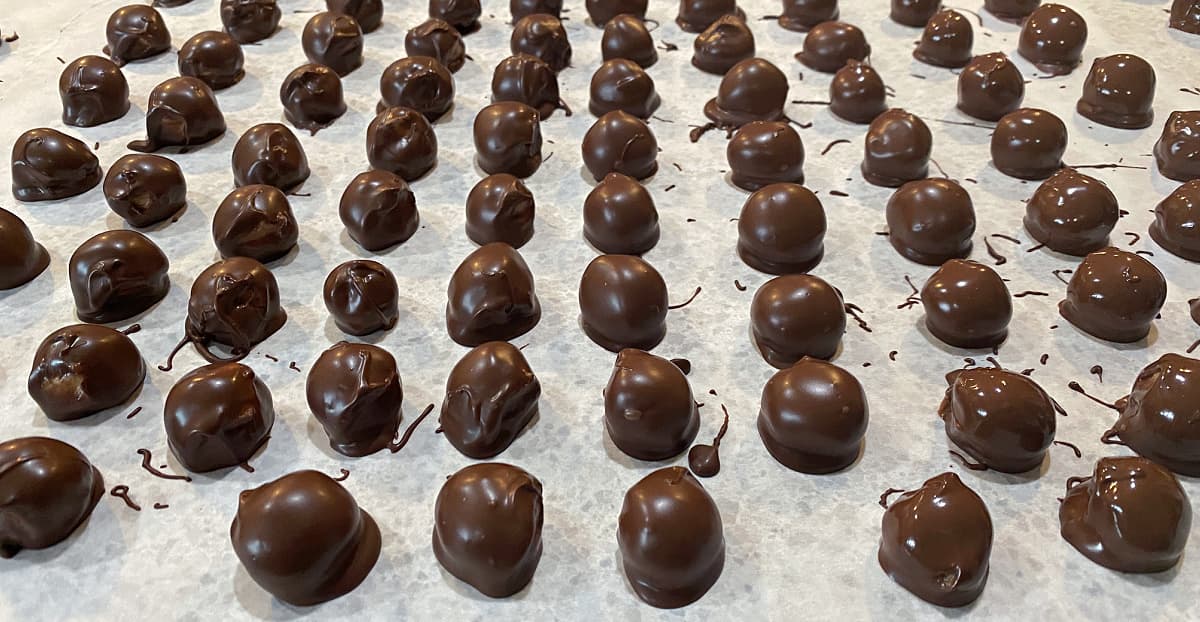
(526, 79)
(491, 396)
(931, 221)
(312, 97)
(255, 221)
(169, 3)
(671, 538)
(420, 83)
(829, 45)
(304, 539)
(1000, 418)
(1071, 213)
(1176, 225)
(623, 303)
(765, 152)
(22, 258)
(333, 40)
(626, 36)
(967, 305)
(698, 15)
(649, 410)
(1185, 16)
(250, 21)
(619, 142)
(500, 208)
(1160, 418)
(857, 93)
(601, 11)
(182, 112)
(1011, 10)
(794, 316)
(462, 14)
(521, 8)
(49, 489)
(915, 13)
(487, 527)
(368, 13)
(946, 41)
(990, 86)
(234, 302)
(544, 37)
(83, 369)
(48, 165)
(753, 90)
(136, 32)
(1119, 92)
(400, 140)
(1131, 515)
(620, 84)
(491, 297)
(218, 416)
(897, 149)
(379, 210)
(802, 15)
(1114, 295)
(619, 216)
(937, 541)
(722, 45)
(1177, 151)
(781, 229)
(508, 139)
(437, 39)
(270, 154)
(93, 91)
(355, 393)
(1029, 144)
(116, 275)
(362, 297)
(813, 417)
(1052, 39)
(214, 57)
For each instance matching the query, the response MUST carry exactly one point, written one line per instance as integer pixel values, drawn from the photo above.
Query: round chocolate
(727, 42)
(491, 297)
(967, 305)
(857, 93)
(1029, 143)
(753, 90)
(521, 8)
(896, 149)
(1177, 151)
(623, 303)
(508, 139)
(250, 21)
(1185, 16)
(368, 13)
(362, 297)
(803, 15)
(601, 11)
(990, 86)
(649, 410)
(1114, 295)
(334, 40)
(1119, 92)
(136, 32)
(169, 3)
(355, 393)
(462, 14)
(145, 189)
(946, 41)
(379, 210)
(626, 36)
(420, 83)
(765, 152)
(182, 112)
(1052, 39)
(813, 417)
(400, 140)
(93, 92)
(619, 142)
(931, 221)
(915, 13)
(22, 258)
(619, 216)
(270, 154)
(49, 489)
(116, 275)
(500, 208)
(620, 84)
(544, 37)
(794, 316)
(218, 416)
(48, 165)
(1071, 213)
(781, 229)
(829, 45)
(1011, 10)
(1000, 418)
(214, 57)
(312, 97)
(234, 302)
(1176, 225)
(698, 15)
(255, 221)
(83, 369)
(491, 397)
(526, 79)
(437, 39)
(1160, 418)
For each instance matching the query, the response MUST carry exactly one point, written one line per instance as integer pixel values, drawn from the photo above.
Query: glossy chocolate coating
(623, 303)
(698, 15)
(487, 527)
(169, 3)
(857, 93)
(1176, 225)
(500, 208)
(521, 8)
(116, 275)
(753, 90)
(49, 489)
(270, 154)
(312, 97)
(304, 539)
(508, 139)
(491, 297)
(334, 40)
(1000, 418)
(765, 152)
(1131, 515)
(829, 45)
(1072, 213)
(1052, 38)
(250, 21)
(967, 305)
(362, 297)
(896, 149)
(1194, 304)
(781, 229)
(946, 41)
(794, 316)
(936, 542)
(22, 258)
(400, 140)
(83, 369)
(619, 142)
(1119, 92)
(1185, 16)
(626, 36)
(436, 38)
(528, 80)
(1114, 295)
(931, 221)
(145, 189)
(462, 14)
(48, 165)
(355, 393)
(542, 36)
(671, 538)
(379, 210)
(915, 13)
(990, 86)
(601, 11)
(621, 84)
(1029, 143)
(813, 417)
(255, 221)
(421, 83)
(803, 15)
(619, 216)
(214, 57)
(182, 112)
(649, 410)
(218, 416)
(1160, 418)
(1011, 10)
(722, 45)
(136, 32)
(368, 13)
(234, 302)
(93, 91)
(1177, 151)
(491, 396)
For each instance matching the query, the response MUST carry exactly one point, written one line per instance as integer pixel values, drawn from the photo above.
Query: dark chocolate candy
(619, 142)
(896, 149)
(400, 140)
(234, 302)
(48, 165)
(829, 45)
(1160, 418)
(1011, 10)
(500, 208)
(725, 43)
(116, 275)
(136, 32)
(753, 90)
(182, 112)
(312, 97)
(1177, 151)
(169, 3)
(508, 139)
(491, 396)
(1029, 143)
(362, 297)
(946, 41)
(334, 40)
(355, 393)
(967, 305)
(765, 152)
(1185, 16)
(813, 417)
(255, 221)
(1119, 92)
(421, 83)
(1071, 213)
(379, 210)
(218, 416)
(368, 13)
(781, 229)
(803, 15)
(626, 36)
(698, 15)
(270, 154)
(1000, 418)
(649, 410)
(436, 38)
(619, 216)
(530, 81)
(250, 21)
(621, 84)
(491, 297)
(462, 14)
(931, 221)
(521, 8)
(601, 11)
(22, 258)
(915, 13)
(83, 369)
(1114, 295)
(544, 37)
(93, 91)
(623, 303)
(1052, 38)
(990, 86)
(49, 489)
(214, 57)
(1176, 225)
(857, 93)
(794, 316)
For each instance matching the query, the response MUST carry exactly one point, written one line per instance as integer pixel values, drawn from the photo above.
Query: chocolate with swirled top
(619, 216)
(182, 112)
(368, 13)
(967, 305)
(1185, 16)
(1160, 418)
(362, 297)
(379, 210)
(1177, 151)
(218, 416)
(803, 15)
(619, 142)
(491, 297)
(255, 221)
(462, 14)
(437, 39)
(794, 316)
(813, 417)
(83, 369)
(49, 489)
(931, 221)
(1176, 225)
(1052, 38)
(914, 13)
(1072, 213)
(93, 91)
(990, 86)
(542, 36)
(116, 275)
(420, 83)
(1114, 295)
(521, 8)
(698, 15)
(214, 57)
(601, 11)
(500, 208)
(1029, 143)
(621, 84)
(234, 302)
(508, 139)
(857, 93)
(48, 165)
(136, 32)
(1011, 10)
(722, 45)
(1000, 418)
(1119, 92)
(946, 41)
(626, 36)
(22, 258)
(781, 229)
(354, 391)
(649, 410)
(530, 81)
(312, 97)
(250, 21)
(491, 397)
(753, 90)
(829, 45)
(270, 154)
(145, 189)
(401, 140)
(765, 152)
(623, 303)
(897, 149)
(334, 40)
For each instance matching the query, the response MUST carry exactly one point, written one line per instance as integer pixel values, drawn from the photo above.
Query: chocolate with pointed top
(626, 36)
(354, 391)
(857, 93)
(491, 397)
(621, 84)
(946, 41)
(619, 216)
(725, 43)
(136, 32)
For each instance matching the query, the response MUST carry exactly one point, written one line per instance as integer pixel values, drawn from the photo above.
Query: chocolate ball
(803, 15)
(1177, 151)
(218, 416)
(781, 229)
(362, 297)
(753, 90)
(1185, 16)
(619, 216)
(1176, 225)
(136, 32)
(235, 303)
(619, 142)
(214, 57)
(250, 21)
(491, 397)
(621, 84)
(623, 303)
(436, 38)
(48, 165)
(83, 369)
(1002, 419)
(334, 40)
(93, 92)
(915, 13)
(794, 316)
(521, 8)
(270, 154)
(1114, 295)
(896, 149)
(857, 93)
(1159, 416)
(813, 417)
(462, 14)
(182, 112)
(1119, 92)
(500, 208)
(145, 189)
(1052, 39)
(626, 36)
(1011, 10)
(698, 15)
(1071, 213)
(491, 297)
(990, 86)
(354, 391)
(49, 490)
(400, 140)
(765, 152)
(1029, 144)
(508, 139)
(542, 36)
(931, 221)
(526, 79)
(379, 210)
(725, 43)
(946, 41)
(649, 411)
(312, 97)
(368, 13)
(601, 11)
(116, 275)
(829, 45)
(22, 258)
(255, 221)
(420, 83)
(967, 305)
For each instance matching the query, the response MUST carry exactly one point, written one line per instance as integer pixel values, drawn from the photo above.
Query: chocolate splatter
(146, 464)
(1071, 446)
(341, 478)
(1076, 387)
(134, 413)
(686, 302)
(1000, 259)
(396, 446)
(1029, 293)
(973, 466)
(738, 285)
(121, 491)
(1098, 371)
(883, 498)
(684, 365)
(833, 144)
(854, 312)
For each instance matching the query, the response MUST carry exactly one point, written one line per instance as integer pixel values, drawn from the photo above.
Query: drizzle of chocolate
(147, 457)
(1058, 275)
(853, 311)
(1133, 237)
(686, 302)
(1044, 358)
(994, 362)
(973, 466)
(892, 355)
(341, 478)
(121, 492)
(913, 299)
(705, 460)
(133, 328)
(1098, 371)
(160, 506)
(1029, 293)
(1071, 446)
(883, 498)
(738, 285)
(684, 365)
(396, 446)
(1076, 387)
(832, 144)
(292, 366)
(134, 413)
(1000, 259)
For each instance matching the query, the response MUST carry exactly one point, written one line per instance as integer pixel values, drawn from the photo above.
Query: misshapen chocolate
(83, 369)
(49, 489)
(214, 57)
(1177, 151)
(401, 141)
(1001, 418)
(857, 93)
(491, 397)
(1119, 92)
(990, 86)
(619, 216)
(379, 210)
(234, 302)
(1160, 418)
(896, 149)
(270, 154)
(829, 45)
(354, 391)
(182, 112)
(619, 142)
(508, 139)
(1072, 213)
(722, 45)
(781, 229)
(626, 36)
(967, 305)
(813, 417)
(362, 297)
(649, 411)
(1029, 143)
(48, 165)
(368, 13)
(312, 97)
(1176, 225)
(218, 416)
(136, 32)
(542, 36)
(93, 92)
(255, 221)
(528, 80)
(436, 38)
(765, 152)
(623, 303)
(500, 208)
(1185, 16)
(250, 21)
(421, 83)
(794, 316)
(462, 14)
(1052, 38)
(334, 40)
(491, 297)
(22, 258)
(116, 275)
(621, 84)
(1114, 295)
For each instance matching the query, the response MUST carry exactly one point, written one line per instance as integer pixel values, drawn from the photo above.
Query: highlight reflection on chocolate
(420, 83)
(136, 32)
(255, 221)
(270, 154)
(508, 139)
(649, 410)
(781, 229)
(1176, 225)
(379, 210)
(1011, 10)
(794, 316)
(619, 142)
(813, 417)
(1114, 295)
(1052, 38)
(49, 489)
(1001, 418)
(1072, 213)
(1160, 418)
(93, 92)
(897, 149)
(528, 80)
(22, 258)
(491, 397)
(915, 13)
(182, 112)
(765, 152)
(1119, 92)
(857, 93)
(698, 15)
(400, 140)
(931, 221)
(218, 416)
(145, 189)
(722, 45)
(462, 14)
(542, 36)
(626, 36)
(601, 11)
(621, 84)
(1177, 151)
(521, 8)
(334, 40)
(623, 303)
(946, 41)
(491, 297)
(436, 38)
(214, 57)
(802, 15)
(829, 45)
(234, 302)
(354, 391)
(967, 305)
(1029, 144)
(116, 275)
(83, 369)
(500, 208)
(312, 97)
(368, 13)
(619, 216)
(753, 90)
(250, 21)
(362, 297)
(990, 86)
(48, 165)
(1185, 16)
